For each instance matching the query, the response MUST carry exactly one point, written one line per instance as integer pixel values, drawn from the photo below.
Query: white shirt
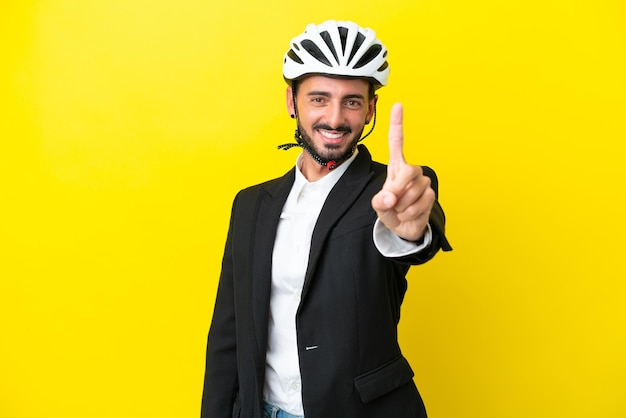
(289, 265)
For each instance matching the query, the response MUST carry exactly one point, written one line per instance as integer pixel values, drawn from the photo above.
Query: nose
(335, 116)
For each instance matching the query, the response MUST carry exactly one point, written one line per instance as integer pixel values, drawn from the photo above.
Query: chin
(332, 152)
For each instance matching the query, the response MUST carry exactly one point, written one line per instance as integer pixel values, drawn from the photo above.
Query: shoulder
(429, 172)
(270, 187)
(434, 182)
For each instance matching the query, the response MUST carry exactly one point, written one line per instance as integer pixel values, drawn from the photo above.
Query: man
(313, 274)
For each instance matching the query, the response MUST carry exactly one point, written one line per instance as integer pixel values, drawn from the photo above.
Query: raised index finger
(396, 137)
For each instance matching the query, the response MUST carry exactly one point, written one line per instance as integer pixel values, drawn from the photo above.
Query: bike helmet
(337, 48)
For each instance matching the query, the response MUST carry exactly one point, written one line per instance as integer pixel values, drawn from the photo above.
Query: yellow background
(126, 128)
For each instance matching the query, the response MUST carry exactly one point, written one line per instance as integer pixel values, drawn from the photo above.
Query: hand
(406, 199)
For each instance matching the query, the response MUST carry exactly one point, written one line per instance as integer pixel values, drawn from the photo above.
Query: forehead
(334, 86)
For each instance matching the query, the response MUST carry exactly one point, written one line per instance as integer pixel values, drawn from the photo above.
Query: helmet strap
(371, 128)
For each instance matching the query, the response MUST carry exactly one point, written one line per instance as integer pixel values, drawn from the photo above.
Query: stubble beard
(329, 151)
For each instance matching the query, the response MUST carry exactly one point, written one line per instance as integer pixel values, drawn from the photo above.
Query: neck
(313, 171)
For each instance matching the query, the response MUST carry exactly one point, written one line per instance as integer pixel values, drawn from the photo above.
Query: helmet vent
(329, 43)
(343, 35)
(368, 56)
(357, 44)
(291, 54)
(315, 52)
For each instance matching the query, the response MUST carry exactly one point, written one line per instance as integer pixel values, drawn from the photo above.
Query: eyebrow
(327, 94)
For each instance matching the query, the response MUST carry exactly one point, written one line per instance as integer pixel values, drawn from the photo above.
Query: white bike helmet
(338, 48)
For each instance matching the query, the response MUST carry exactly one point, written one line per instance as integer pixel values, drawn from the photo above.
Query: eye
(353, 104)
(318, 99)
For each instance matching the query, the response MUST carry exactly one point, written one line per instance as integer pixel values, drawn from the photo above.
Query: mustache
(326, 127)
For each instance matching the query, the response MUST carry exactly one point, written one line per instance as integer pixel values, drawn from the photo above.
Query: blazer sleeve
(220, 379)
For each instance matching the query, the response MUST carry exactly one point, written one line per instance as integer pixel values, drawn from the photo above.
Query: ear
(290, 105)
(371, 109)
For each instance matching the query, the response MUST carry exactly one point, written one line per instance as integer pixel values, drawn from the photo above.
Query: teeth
(331, 135)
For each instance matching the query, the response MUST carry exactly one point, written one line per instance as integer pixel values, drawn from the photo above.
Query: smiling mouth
(332, 136)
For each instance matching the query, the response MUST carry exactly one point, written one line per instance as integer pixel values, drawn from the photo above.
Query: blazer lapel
(339, 200)
(270, 204)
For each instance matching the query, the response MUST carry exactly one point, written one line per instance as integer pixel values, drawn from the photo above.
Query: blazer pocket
(384, 379)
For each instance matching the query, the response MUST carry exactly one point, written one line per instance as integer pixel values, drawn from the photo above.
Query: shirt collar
(329, 180)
